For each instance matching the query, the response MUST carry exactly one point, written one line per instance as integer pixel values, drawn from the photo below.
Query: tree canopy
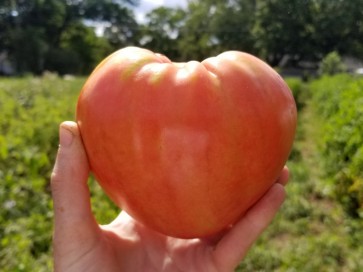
(40, 35)
(61, 36)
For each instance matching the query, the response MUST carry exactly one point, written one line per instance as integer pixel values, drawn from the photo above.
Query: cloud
(146, 6)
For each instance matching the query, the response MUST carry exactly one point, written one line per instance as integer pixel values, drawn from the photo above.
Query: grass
(310, 233)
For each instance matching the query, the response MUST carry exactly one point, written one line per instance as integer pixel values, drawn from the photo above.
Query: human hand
(80, 244)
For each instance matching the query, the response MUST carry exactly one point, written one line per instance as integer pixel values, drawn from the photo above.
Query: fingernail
(65, 137)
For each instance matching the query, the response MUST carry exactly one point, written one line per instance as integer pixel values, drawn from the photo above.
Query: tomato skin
(186, 148)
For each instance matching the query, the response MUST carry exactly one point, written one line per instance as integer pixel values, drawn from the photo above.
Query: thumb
(70, 192)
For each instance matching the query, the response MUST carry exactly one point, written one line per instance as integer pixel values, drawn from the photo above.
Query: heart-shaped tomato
(186, 148)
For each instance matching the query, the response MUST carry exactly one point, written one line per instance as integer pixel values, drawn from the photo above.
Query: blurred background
(48, 47)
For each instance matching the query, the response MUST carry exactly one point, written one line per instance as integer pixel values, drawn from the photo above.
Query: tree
(338, 27)
(284, 28)
(29, 30)
(161, 31)
(307, 30)
(232, 24)
(79, 51)
(332, 64)
(121, 26)
(196, 34)
(27, 49)
(34, 33)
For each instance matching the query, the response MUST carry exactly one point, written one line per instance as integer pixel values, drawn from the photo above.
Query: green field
(319, 228)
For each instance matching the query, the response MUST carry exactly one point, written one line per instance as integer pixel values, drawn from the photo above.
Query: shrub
(332, 64)
(31, 110)
(339, 102)
(299, 91)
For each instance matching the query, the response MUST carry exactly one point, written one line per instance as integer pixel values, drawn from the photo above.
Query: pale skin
(81, 244)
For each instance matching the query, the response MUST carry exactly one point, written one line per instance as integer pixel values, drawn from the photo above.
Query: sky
(142, 9)
(147, 5)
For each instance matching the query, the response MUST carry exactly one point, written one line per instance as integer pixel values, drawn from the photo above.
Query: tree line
(72, 36)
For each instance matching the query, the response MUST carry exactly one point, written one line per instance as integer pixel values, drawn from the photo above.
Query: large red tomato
(186, 148)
